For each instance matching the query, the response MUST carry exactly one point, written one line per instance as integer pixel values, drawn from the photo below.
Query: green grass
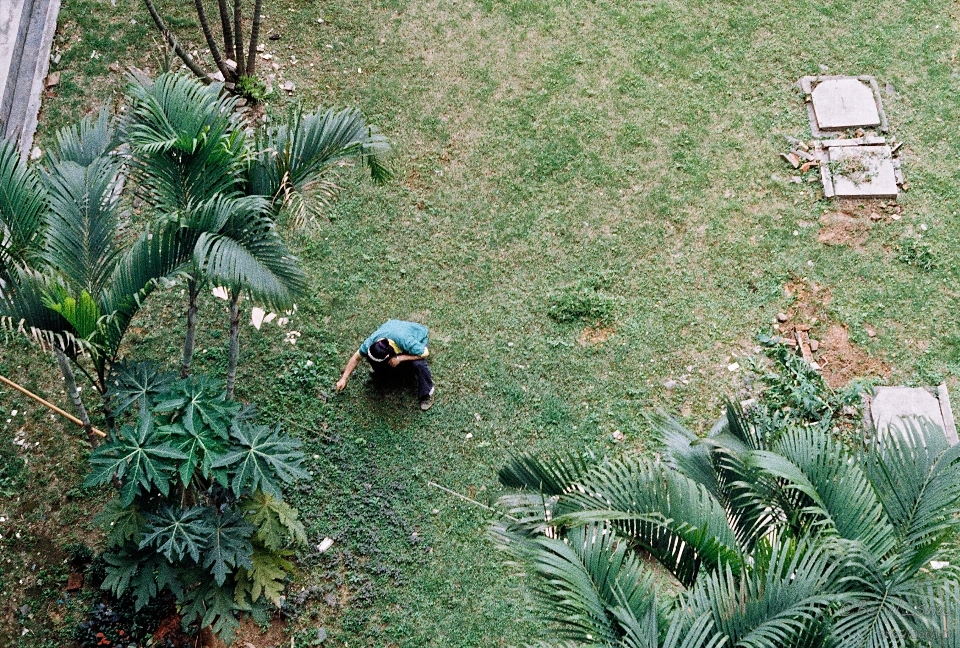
(539, 144)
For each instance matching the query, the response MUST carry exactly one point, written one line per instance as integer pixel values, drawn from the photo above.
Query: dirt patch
(850, 224)
(828, 343)
(591, 335)
(249, 634)
(841, 361)
(843, 228)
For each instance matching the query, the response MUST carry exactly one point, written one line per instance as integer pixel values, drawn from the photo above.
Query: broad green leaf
(208, 604)
(276, 521)
(140, 383)
(264, 459)
(122, 523)
(199, 401)
(200, 447)
(228, 545)
(266, 578)
(82, 313)
(137, 459)
(175, 533)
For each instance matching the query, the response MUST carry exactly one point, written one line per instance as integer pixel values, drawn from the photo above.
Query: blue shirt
(405, 337)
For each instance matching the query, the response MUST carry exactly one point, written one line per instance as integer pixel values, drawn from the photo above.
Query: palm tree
(191, 151)
(67, 281)
(776, 536)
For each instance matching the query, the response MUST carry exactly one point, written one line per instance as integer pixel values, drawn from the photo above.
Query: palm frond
(23, 204)
(85, 142)
(295, 157)
(185, 143)
(83, 221)
(24, 311)
(551, 475)
(916, 475)
(670, 515)
(589, 583)
(782, 601)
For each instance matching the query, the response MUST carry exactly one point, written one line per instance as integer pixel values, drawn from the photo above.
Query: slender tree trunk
(254, 39)
(227, 30)
(193, 289)
(211, 43)
(175, 44)
(238, 34)
(234, 341)
(74, 394)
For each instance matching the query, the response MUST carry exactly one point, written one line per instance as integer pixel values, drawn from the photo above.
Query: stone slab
(839, 104)
(862, 172)
(891, 405)
(809, 83)
(10, 14)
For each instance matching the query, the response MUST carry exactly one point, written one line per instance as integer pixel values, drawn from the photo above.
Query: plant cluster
(916, 252)
(795, 392)
(72, 280)
(586, 302)
(200, 512)
(777, 535)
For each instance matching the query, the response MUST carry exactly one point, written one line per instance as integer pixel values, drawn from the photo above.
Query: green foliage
(251, 88)
(780, 534)
(584, 304)
(793, 391)
(200, 511)
(916, 252)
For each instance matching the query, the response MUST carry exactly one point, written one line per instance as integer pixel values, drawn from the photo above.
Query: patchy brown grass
(595, 335)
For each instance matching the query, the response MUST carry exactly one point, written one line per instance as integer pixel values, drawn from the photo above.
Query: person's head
(380, 351)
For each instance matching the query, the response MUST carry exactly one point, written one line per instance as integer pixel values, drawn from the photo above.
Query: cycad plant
(775, 534)
(200, 512)
(67, 278)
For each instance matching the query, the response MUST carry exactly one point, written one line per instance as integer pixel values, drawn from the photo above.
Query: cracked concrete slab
(891, 406)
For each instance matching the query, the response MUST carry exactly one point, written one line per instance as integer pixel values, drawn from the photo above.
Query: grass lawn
(625, 153)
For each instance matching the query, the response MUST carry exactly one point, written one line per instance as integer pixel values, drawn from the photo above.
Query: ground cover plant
(536, 145)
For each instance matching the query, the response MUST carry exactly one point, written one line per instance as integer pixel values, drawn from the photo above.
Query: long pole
(66, 415)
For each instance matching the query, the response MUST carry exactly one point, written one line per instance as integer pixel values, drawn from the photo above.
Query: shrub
(199, 512)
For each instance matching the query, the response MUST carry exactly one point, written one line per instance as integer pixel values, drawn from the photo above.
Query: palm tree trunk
(227, 30)
(238, 33)
(254, 39)
(74, 394)
(189, 341)
(175, 44)
(211, 43)
(234, 341)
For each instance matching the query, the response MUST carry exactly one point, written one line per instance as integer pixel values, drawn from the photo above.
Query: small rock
(326, 544)
(796, 179)
(261, 47)
(939, 564)
(874, 216)
(469, 436)
(321, 635)
(782, 317)
(36, 153)
(803, 327)
(733, 367)
(815, 366)
(824, 69)
(670, 384)
(217, 76)
(871, 332)
(435, 511)
(289, 86)
(617, 436)
(241, 102)
(331, 599)
(414, 537)
(114, 67)
(814, 345)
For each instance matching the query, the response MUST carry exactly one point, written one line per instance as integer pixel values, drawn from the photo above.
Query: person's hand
(341, 384)
(394, 361)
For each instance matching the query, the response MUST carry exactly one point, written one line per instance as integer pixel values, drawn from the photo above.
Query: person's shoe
(427, 401)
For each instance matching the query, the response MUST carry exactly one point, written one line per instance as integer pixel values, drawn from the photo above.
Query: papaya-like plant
(199, 509)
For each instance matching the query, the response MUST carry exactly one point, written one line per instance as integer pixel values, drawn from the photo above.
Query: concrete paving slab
(839, 104)
(890, 406)
(862, 172)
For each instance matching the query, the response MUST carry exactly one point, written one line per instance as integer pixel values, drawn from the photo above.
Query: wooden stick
(68, 416)
(472, 501)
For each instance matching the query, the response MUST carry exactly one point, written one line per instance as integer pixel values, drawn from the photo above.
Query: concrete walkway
(26, 36)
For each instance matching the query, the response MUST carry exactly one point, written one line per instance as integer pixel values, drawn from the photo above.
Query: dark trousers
(385, 374)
